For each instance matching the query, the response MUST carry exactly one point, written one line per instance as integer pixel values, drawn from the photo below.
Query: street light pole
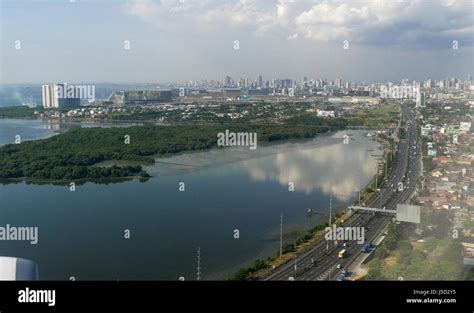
(330, 211)
(281, 235)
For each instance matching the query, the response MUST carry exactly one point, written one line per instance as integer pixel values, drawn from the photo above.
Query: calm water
(39, 129)
(81, 233)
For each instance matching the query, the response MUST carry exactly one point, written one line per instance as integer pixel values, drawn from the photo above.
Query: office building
(420, 99)
(56, 96)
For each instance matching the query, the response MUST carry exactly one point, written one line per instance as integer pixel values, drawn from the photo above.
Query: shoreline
(359, 135)
(260, 271)
(286, 144)
(282, 146)
(157, 158)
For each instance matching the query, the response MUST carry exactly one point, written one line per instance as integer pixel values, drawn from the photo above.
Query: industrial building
(121, 98)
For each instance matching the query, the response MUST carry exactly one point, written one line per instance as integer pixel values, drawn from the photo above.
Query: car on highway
(341, 277)
(342, 253)
(366, 248)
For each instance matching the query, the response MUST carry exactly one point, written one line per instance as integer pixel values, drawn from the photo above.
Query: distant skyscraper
(228, 81)
(338, 83)
(57, 96)
(287, 83)
(420, 99)
(50, 99)
(319, 83)
(452, 82)
(259, 81)
(248, 82)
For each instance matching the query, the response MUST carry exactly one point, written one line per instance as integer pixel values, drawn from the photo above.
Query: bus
(342, 253)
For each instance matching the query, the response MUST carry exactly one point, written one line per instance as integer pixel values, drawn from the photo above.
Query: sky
(146, 41)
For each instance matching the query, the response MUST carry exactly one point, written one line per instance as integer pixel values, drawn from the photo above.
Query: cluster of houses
(449, 180)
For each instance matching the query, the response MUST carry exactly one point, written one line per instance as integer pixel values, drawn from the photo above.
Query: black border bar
(226, 296)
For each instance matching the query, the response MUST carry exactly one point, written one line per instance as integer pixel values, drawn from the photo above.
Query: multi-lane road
(322, 261)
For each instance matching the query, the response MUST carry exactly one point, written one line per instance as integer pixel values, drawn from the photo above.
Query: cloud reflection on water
(333, 169)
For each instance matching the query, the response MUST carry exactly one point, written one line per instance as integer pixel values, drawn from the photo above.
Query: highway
(321, 261)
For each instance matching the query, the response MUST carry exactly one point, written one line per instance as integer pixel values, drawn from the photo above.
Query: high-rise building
(228, 81)
(452, 82)
(50, 99)
(420, 99)
(338, 83)
(259, 81)
(248, 82)
(57, 96)
(286, 83)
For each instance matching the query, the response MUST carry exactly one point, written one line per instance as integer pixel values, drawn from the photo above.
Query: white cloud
(293, 37)
(168, 15)
(404, 23)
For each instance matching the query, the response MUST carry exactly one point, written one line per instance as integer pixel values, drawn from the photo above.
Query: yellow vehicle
(342, 253)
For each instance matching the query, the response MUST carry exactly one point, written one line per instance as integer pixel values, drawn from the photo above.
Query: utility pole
(391, 150)
(199, 264)
(330, 220)
(295, 265)
(281, 235)
(330, 211)
(359, 187)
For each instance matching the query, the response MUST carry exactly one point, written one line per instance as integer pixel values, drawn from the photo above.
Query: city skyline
(145, 41)
(329, 81)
